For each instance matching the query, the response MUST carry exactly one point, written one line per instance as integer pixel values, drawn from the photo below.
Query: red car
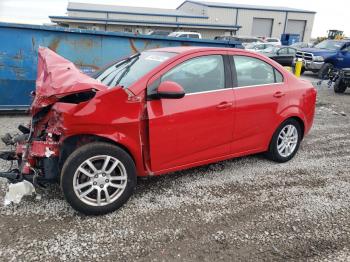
(152, 113)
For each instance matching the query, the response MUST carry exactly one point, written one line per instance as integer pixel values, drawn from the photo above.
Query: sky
(330, 14)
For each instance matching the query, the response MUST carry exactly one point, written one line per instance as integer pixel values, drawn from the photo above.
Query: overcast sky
(330, 14)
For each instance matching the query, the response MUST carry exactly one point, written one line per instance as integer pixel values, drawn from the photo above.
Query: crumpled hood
(57, 77)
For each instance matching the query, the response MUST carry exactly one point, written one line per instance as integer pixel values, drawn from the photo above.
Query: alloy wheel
(287, 140)
(100, 180)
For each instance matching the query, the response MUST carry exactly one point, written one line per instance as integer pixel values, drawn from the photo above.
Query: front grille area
(305, 56)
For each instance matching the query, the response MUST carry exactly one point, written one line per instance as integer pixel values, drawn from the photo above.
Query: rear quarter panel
(301, 103)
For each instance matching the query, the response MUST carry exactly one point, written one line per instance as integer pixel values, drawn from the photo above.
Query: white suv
(273, 41)
(186, 34)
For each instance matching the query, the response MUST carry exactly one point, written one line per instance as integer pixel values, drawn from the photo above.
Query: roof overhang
(67, 19)
(247, 7)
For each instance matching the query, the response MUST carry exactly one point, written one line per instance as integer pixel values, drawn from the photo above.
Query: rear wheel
(285, 141)
(339, 86)
(98, 178)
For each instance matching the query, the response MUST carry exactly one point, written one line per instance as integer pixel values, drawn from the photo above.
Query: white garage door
(262, 27)
(296, 27)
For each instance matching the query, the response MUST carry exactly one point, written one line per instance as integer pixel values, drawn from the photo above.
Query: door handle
(224, 105)
(279, 94)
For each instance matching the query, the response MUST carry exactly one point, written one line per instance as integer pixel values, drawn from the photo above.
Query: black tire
(339, 86)
(273, 153)
(323, 73)
(82, 154)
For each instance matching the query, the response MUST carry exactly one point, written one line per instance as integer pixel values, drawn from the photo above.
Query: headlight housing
(318, 59)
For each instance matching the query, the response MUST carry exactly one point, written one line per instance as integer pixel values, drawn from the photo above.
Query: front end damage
(36, 149)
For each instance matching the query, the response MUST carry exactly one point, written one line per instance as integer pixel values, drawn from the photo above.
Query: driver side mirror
(170, 90)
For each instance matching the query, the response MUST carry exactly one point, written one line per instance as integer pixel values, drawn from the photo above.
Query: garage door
(296, 27)
(262, 27)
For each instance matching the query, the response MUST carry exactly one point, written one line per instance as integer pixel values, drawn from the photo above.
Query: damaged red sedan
(152, 113)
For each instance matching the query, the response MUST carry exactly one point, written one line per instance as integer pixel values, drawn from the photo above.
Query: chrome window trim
(232, 88)
(210, 91)
(240, 87)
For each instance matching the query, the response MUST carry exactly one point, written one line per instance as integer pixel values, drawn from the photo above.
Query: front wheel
(325, 71)
(285, 141)
(98, 178)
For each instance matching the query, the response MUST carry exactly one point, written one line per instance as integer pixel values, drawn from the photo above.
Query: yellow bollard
(298, 67)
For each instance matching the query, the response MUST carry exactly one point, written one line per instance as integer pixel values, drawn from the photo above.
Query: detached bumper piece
(8, 155)
(13, 176)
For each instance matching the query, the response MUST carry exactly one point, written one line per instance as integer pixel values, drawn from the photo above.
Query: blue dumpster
(89, 50)
(289, 39)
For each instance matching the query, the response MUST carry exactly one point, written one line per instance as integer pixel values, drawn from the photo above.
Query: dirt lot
(241, 209)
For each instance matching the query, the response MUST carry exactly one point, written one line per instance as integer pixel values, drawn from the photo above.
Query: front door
(197, 127)
(343, 57)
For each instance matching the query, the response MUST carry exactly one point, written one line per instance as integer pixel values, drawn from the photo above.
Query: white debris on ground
(17, 191)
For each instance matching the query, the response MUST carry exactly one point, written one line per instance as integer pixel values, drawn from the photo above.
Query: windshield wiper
(127, 59)
(126, 70)
(119, 63)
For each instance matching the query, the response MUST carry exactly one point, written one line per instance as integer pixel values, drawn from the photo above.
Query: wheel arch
(71, 143)
(301, 123)
(294, 112)
(296, 117)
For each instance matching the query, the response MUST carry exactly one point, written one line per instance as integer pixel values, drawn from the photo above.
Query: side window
(346, 48)
(200, 74)
(283, 51)
(252, 71)
(260, 47)
(291, 51)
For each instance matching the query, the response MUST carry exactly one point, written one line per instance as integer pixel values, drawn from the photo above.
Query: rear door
(259, 93)
(197, 127)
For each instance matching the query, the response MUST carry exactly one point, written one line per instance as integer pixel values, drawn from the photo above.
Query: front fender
(110, 115)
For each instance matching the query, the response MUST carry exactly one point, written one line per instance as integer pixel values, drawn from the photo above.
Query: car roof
(186, 49)
(184, 32)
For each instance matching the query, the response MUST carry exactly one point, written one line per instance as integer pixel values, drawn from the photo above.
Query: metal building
(208, 18)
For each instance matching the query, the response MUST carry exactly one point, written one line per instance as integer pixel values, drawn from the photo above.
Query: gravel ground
(246, 209)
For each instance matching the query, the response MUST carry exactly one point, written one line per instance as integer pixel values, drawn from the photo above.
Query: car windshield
(251, 45)
(271, 49)
(330, 45)
(127, 71)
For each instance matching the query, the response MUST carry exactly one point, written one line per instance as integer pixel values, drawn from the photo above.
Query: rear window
(193, 36)
(126, 72)
(251, 71)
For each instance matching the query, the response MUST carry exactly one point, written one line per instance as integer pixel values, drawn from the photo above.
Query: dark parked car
(282, 55)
